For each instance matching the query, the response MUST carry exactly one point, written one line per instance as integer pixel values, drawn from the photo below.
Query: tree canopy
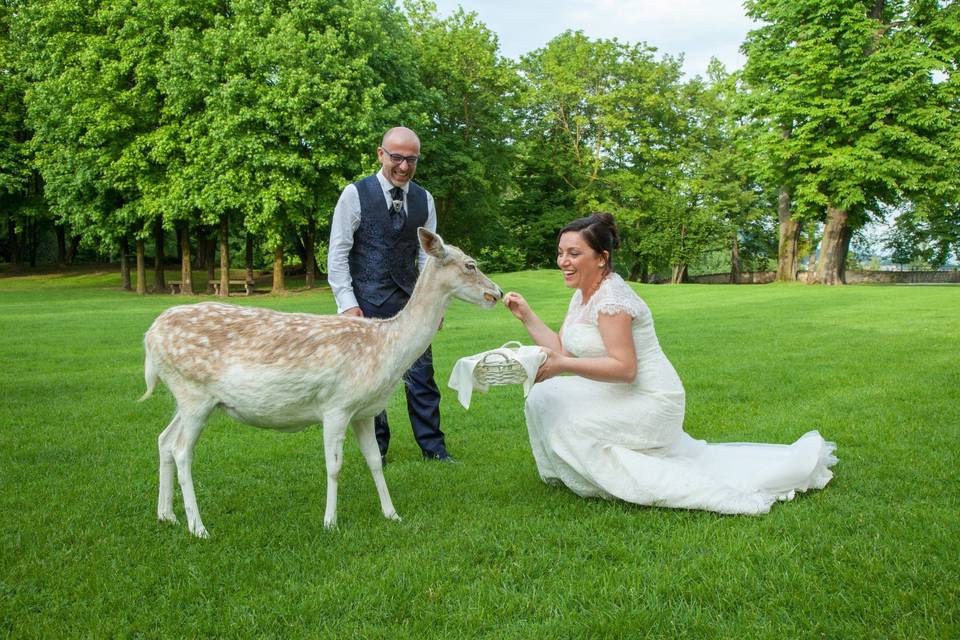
(122, 118)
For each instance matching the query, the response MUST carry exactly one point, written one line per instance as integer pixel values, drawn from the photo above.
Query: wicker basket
(497, 369)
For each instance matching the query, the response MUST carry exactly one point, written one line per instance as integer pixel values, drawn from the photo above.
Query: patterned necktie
(396, 209)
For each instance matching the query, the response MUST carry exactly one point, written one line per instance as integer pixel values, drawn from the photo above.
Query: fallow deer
(286, 371)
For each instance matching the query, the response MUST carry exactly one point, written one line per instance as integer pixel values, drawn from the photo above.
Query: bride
(614, 428)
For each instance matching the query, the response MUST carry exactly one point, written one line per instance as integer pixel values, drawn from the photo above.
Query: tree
(919, 237)
(15, 173)
(723, 205)
(469, 95)
(855, 119)
(277, 104)
(600, 131)
(93, 98)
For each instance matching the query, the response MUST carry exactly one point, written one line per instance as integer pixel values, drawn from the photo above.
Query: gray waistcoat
(383, 260)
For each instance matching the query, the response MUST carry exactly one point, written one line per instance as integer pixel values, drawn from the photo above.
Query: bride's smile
(582, 267)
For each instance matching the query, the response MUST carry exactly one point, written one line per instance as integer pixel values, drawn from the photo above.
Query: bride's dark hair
(599, 231)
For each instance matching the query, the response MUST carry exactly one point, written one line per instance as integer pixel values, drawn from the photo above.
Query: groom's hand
(352, 311)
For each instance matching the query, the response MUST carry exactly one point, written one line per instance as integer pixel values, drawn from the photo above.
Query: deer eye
(470, 266)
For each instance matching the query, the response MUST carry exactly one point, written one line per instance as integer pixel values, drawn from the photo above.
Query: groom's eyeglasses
(398, 158)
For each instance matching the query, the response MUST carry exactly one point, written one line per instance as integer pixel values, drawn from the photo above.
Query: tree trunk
(16, 256)
(141, 269)
(61, 245)
(200, 259)
(309, 243)
(34, 240)
(299, 245)
(72, 249)
(735, 261)
(248, 259)
(186, 275)
(224, 256)
(178, 231)
(638, 272)
(789, 239)
(211, 260)
(159, 258)
(833, 248)
(679, 274)
(125, 263)
(278, 270)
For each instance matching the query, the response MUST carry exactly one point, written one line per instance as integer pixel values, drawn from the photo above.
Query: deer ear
(432, 243)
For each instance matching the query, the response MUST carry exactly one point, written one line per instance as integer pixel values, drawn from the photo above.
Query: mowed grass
(485, 549)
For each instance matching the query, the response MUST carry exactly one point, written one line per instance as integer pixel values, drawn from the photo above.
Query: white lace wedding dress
(626, 441)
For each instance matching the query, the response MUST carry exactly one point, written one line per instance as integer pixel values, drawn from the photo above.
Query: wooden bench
(247, 286)
(176, 286)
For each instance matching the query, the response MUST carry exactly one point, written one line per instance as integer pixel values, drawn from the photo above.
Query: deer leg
(167, 463)
(191, 425)
(334, 433)
(367, 440)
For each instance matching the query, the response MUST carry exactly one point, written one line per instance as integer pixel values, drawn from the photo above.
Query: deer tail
(150, 375)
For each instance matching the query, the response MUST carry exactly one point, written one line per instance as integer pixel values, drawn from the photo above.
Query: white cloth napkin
(462, 380)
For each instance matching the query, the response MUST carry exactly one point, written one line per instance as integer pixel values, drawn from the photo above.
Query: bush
(503, 259)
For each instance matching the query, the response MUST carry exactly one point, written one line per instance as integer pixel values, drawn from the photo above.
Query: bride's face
(580, 264)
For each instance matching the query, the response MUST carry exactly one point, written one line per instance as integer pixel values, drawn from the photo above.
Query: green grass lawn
(485, 549)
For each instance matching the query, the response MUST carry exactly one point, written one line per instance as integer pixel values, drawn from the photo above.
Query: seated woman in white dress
(614, 428)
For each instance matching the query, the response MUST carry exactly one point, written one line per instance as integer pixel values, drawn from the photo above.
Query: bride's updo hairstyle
(600, 232)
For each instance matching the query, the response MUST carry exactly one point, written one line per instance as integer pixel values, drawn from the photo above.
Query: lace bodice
(581, 335)
(581, 332)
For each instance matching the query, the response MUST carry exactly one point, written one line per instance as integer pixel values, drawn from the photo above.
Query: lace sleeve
(617, 297)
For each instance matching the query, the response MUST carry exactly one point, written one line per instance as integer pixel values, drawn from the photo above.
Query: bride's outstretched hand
(517, 305)
(551, 366)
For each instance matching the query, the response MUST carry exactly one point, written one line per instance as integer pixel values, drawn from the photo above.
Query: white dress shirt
(346, 219)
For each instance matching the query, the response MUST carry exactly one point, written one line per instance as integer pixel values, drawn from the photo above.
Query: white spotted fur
(285, 371)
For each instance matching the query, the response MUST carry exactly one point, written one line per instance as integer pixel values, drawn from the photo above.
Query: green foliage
(191, 111)
(273, 108)
(600, 131)
(855, 118)
(119, 113)
(925, 240)
(469, 96)
(502, 259)
(14, 159)
(872, 555)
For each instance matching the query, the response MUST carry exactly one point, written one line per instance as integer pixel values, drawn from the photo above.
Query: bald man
(373, 262)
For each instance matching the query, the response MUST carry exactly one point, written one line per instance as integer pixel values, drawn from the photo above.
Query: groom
(373, 262)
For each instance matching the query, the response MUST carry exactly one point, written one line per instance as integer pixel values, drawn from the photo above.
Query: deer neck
(411, 331)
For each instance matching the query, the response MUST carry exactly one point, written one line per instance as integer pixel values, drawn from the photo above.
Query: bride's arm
(619, 365)
(539, 332)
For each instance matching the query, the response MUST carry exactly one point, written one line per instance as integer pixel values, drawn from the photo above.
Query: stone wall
(852, 277)
(745, 277)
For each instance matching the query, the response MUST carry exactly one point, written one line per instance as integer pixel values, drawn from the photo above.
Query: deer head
(459, 271)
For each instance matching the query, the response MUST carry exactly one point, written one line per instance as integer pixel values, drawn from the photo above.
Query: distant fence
(852, 277)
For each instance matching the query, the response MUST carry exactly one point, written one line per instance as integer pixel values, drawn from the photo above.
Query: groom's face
(398, 156)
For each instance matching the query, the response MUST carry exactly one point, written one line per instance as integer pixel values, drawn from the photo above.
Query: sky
(698, 29)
